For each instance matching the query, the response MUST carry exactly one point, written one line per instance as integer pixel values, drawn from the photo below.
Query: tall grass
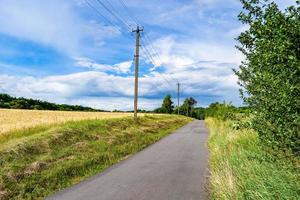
(58, 156)
(241, 168)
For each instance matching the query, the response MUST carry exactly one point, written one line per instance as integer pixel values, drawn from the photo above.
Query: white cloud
(78, 87)
(123, 67)
(58, 24)
(112, 103)
(54, 23)
(177, 56)
(91, 64)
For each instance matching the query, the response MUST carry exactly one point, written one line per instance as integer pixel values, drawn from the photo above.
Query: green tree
(270, 74)
(188, 106)
(167, 105)
(198, 113)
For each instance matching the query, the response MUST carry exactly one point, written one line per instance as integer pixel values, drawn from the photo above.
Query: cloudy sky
(68, 51)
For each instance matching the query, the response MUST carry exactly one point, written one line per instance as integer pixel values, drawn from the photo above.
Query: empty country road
(175, 168)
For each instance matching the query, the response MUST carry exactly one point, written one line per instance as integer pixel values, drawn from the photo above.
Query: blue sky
(63, 51)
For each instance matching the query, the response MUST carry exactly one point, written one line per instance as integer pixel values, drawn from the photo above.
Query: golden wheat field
(14, 119)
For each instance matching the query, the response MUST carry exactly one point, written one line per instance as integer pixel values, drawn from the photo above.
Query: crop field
(15, 119)
(37, 162)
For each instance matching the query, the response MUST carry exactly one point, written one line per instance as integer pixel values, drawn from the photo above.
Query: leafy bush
(221, 111)
(270, 75)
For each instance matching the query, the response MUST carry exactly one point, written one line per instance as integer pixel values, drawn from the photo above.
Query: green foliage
(270, 75)
(187, 108)
(218, 110)
(159, 110)
(198, 113)
(167, 104)
(221, 111)
(241, 167)
(43, 160)
(7, 101)
(225, 111)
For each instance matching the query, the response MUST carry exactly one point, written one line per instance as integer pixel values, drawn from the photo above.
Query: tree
(198, 113)
(188, 105)
(167, 105)
(270, 74)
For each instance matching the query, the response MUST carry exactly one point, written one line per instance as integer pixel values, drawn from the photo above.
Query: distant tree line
(9, 102)
(188, 108)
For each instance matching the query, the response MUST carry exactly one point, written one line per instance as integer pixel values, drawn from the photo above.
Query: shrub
(270, 74)
(221, 111)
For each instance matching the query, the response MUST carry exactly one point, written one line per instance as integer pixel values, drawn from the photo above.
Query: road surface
(175, 168)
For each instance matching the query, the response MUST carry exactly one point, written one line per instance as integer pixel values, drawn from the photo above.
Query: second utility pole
(136, 80)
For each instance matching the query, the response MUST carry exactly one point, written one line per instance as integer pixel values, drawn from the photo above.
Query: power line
(150, 52)
(155, 53)
(153, 62)
(149, 56)
(113, 8)
(151, 48)
(99, 13)
(129, 13)
(114, 14)
(160, 74)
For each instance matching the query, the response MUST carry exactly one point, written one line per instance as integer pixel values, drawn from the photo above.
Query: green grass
(241, 168)
(45, 159)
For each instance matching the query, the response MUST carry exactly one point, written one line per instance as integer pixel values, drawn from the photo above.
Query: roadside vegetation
(270, 74)
(254, 151)
(242, 167)
(48, 159)
(189, 109)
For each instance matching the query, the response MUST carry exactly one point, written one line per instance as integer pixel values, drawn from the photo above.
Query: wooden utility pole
(178, 89)
(136, 80)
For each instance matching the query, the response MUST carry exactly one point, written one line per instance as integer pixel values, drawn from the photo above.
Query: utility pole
(178, 89)
(136, 80)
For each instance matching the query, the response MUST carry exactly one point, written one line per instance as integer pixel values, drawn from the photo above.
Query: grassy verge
(241, 168)
(51, 158)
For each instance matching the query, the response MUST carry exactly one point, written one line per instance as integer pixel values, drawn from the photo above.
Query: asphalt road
(175, 168)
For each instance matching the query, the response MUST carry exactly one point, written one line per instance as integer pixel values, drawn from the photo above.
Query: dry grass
(13, 119)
